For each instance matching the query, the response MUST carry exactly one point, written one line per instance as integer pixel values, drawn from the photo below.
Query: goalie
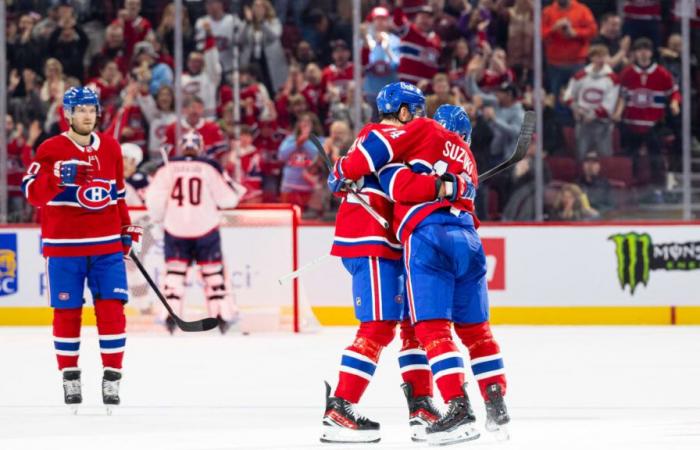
(186, 195)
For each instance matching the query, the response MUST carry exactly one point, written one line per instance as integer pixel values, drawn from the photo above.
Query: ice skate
(110, 389)
(72, 394)
(456, 425)
(342, 424)
(421, 413)
(496, 413)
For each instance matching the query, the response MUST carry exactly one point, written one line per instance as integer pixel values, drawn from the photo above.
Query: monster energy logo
(637, 256)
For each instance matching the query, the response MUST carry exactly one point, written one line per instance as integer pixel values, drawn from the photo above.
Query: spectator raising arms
(204, 73)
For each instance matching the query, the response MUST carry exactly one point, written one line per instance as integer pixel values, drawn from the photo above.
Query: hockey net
(259, 245)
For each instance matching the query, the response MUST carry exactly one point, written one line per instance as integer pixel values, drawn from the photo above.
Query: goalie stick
(329, 165)
(198, 325)
(524, 138)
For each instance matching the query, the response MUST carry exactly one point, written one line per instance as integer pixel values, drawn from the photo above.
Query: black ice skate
(421, 413)
(456, 425)
(110, 388)
(170, 324)
(72, 394)
(223, 325)
(342, 424)
(496, 412)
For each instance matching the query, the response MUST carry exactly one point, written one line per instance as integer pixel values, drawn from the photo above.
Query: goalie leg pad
(174, 284)
(446, 361)
(111, 327)
(66, 336)
(413, 362)
(359, 360)
(485, 353)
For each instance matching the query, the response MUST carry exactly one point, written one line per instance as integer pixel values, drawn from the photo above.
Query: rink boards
(598, 273)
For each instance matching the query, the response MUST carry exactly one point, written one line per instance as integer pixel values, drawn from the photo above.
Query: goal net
(259, 245)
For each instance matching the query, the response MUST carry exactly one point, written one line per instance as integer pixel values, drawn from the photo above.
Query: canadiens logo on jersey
(96, 195)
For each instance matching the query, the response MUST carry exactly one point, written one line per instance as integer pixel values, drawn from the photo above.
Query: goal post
(260, 243)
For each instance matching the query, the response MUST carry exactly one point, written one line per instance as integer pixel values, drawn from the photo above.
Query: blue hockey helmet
(455, 119)
(76, 96)
(393, 95)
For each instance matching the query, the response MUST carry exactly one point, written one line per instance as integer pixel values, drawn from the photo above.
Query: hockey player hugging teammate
(185, 196)
(77, 180)
(443, 259)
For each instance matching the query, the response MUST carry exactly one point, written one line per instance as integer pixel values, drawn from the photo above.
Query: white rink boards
(622, 388)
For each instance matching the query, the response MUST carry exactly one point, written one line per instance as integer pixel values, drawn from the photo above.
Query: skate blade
(109, 409)
(460, 434)
(341, 435)
(418, 433)
(74, 409)
(500, 433)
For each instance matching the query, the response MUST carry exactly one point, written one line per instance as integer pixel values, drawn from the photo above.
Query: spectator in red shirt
(340, 73)
(420, 45)
(136, 27)
(567, 29)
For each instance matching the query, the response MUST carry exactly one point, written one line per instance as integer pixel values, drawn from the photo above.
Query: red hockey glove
(131, 238)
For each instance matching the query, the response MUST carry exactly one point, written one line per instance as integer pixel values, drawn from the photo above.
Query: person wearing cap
(420, 45)
(567, 29)
(593, 184)
(338, 75)
(592, 95)
(148, 70)
(647, 89)
(380, 53)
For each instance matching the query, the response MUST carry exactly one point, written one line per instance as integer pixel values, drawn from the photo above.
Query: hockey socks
(111, 327)
(486, 361)
(359, 360)
(66, 336)
(446, 362)
(413, 363)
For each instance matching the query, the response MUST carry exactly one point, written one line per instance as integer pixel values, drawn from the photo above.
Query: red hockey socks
(359, 361)
(413, 363)
(66, 336)
(111, 327)
(486, 361)
(446, 362)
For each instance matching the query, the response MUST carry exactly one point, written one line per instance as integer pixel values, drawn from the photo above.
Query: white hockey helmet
(133, 152)
(192, 142)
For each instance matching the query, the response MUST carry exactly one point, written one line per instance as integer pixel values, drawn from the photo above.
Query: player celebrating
(77, 180)
(186, 195)
(372, 255)
(443, 257)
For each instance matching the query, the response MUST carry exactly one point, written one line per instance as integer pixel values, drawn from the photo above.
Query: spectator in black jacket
(68, 44)
(594, 185)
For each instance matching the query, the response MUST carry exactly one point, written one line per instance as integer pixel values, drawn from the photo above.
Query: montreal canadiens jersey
(357, 234)
(214, 141)
(420, 147)
(187, 193)
(646, 93)
(85, 220)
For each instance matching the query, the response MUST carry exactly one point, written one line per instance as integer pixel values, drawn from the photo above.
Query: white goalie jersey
(187, 193)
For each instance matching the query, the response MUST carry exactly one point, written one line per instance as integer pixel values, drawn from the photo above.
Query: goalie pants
(106, 278)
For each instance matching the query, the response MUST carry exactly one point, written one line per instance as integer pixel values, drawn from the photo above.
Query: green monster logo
(637, 256)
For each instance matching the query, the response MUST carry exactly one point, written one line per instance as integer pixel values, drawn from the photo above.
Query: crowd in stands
(611, 103)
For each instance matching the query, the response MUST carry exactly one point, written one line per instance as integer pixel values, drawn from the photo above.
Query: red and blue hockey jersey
(642, 9)
(419, 51)
(421, 146)
(85, 220)
(646, 93)
(357, 234)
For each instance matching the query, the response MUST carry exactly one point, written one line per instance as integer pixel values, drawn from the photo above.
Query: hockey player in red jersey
(372, 255)
(444, 261)
(77, 180)
(186, 195)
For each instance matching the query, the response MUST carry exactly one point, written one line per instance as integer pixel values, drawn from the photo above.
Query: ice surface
(569, 388)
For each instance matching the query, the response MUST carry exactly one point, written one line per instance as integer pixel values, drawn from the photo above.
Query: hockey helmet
(192, 142)
(393, 95)
(454, 119)
(133, 152)
(76, 96)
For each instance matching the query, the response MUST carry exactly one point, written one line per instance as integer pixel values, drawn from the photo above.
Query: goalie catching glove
(131, 239)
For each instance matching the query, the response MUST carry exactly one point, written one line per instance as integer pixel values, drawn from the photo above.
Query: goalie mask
(192, 143)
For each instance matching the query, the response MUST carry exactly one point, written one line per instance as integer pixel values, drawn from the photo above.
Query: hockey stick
(521, 147)
(198, 325)
(309, 265)
(329, 165)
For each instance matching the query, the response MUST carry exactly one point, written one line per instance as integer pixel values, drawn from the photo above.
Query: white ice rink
(587, 388)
